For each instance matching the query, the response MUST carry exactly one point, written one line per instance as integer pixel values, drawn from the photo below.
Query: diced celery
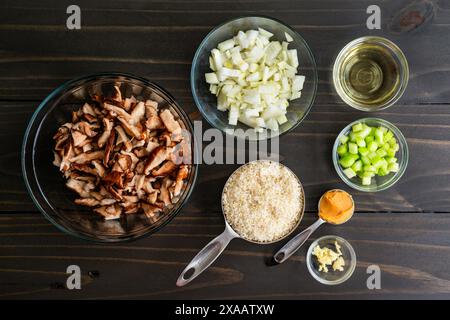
(365, 160)
(382, 172)
(365, 132)
(393, 142)
(357, 127)
(360, 142)
(363, 151)
(377, 161)
(369, 168)
(343, 139)
(368, 174)
(342, 149)
(348, 160)
(372, 155)
(368, 151)
(366, 181)
(381, 152)
(369, 139)
(379, 135)
(391, 159)
(357, 166)
(352, 148)
(350, 173)
(396, 147)
(391, 152)
(393, 167)
(372, 146)
(388, 136)
(379, 140)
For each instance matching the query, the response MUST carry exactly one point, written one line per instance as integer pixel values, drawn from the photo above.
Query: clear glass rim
(395, 50)
(349, 271)
(301, 212)
(30, 177)
(388, 183)
(195, 63)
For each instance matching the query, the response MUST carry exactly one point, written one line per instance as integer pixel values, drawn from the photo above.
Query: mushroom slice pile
(124, 156)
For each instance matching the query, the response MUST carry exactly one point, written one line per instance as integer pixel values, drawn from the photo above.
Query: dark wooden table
(405, 230)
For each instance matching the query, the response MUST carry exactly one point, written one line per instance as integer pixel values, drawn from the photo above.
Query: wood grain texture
(401, 230)
(139, 37)
(34, 256)
(307, 150)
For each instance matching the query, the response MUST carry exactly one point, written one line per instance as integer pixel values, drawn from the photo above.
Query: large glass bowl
(207, 102)
(44, 181)
(378, 183)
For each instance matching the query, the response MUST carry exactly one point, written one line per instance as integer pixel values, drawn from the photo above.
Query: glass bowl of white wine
(370, 73)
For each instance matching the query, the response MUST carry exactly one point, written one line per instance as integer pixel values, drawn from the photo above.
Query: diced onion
(288, 37)
(255, 78)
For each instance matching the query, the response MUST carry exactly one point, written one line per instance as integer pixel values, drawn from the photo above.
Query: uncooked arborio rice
(262, 201)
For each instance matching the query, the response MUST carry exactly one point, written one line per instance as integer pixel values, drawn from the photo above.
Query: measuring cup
(295, 243)
(215, 247)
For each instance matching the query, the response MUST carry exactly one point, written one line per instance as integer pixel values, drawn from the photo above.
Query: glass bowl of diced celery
(370, 154)
(241, 116)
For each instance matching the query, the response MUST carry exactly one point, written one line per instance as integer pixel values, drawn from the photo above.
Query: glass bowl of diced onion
(265, 88)
(370, 154)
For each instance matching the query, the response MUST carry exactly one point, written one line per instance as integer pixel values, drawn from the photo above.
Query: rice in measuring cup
(263, 201)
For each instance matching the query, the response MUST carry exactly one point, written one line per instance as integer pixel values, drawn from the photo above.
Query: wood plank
(34, 256)
(395, 229)
(29, 69)
(307, 150)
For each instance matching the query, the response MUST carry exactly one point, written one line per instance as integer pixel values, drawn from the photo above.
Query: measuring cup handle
(205, 257)
(295, 243)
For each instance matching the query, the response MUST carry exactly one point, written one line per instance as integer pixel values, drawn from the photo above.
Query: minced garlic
(339, 264)
(327, 257)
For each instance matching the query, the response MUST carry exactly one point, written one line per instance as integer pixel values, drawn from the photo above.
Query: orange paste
(336, 206)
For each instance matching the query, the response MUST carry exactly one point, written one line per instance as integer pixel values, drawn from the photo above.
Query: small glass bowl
(332, 277)
(378, 183)
(207, 102)
(390, 49)
(47, 187)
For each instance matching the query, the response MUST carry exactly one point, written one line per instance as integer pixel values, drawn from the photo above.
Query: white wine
(370, 74)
